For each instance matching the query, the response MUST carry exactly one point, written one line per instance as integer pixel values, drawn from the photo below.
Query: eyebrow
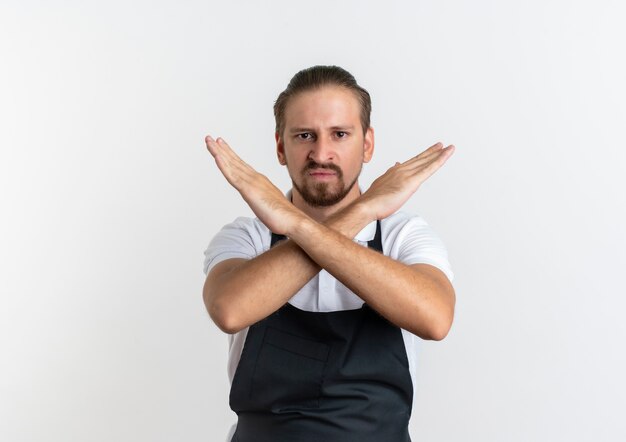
(306, 129)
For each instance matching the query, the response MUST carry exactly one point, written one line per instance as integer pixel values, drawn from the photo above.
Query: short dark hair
(316, 77)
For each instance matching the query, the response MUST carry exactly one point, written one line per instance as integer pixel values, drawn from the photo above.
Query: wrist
(303, 227)
(351, 219)
(362, 210)
(298, 222)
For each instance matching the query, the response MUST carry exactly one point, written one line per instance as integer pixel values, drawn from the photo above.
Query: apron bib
(337, 376)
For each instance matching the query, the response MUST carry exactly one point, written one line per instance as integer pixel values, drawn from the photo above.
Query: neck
(319, 213)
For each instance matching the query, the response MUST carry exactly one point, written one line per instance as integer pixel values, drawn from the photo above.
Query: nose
(322, 151)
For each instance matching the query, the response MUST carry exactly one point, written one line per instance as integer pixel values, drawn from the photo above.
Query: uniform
(325, 366)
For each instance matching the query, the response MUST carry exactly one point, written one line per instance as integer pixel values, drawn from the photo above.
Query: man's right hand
(392, 189)
(266, 201)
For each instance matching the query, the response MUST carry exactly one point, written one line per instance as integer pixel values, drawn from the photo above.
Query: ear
(368, 145)
(280, 149)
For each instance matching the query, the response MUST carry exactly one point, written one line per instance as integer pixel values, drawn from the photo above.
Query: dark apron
(337, 376)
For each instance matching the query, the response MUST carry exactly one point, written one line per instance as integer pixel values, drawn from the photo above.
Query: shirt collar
(366, 234)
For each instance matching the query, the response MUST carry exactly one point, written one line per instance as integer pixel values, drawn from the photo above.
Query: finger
(235, 170)
(232, 157)
(225, 160)
(425, 155)
(217, 149)
(432, 148)
(434, 156)
(210, 144)
(430, 168)
(222, 151)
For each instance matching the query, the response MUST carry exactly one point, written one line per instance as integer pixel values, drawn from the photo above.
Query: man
(325, 293)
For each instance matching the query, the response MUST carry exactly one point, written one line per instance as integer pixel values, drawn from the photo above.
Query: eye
(341, 134)
(305, 136)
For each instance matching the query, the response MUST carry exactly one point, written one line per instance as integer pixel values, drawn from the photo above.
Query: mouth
(322, 174)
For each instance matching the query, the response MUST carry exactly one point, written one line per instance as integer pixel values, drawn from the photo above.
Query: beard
(322, 194)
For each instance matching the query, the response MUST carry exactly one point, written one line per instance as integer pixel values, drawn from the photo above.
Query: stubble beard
(320, 194)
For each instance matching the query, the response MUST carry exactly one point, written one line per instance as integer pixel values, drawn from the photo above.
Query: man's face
(323, 145)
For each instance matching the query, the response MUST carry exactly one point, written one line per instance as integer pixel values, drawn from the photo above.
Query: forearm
(414, 298)
(258, 287)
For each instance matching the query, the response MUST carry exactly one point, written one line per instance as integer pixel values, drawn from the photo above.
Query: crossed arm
(239, 292)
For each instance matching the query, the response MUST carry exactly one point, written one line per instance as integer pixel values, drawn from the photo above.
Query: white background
(109, 198)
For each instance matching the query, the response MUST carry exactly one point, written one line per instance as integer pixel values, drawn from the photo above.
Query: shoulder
(402, 220)
(243, 227)
(243, 237)
(409, 238)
